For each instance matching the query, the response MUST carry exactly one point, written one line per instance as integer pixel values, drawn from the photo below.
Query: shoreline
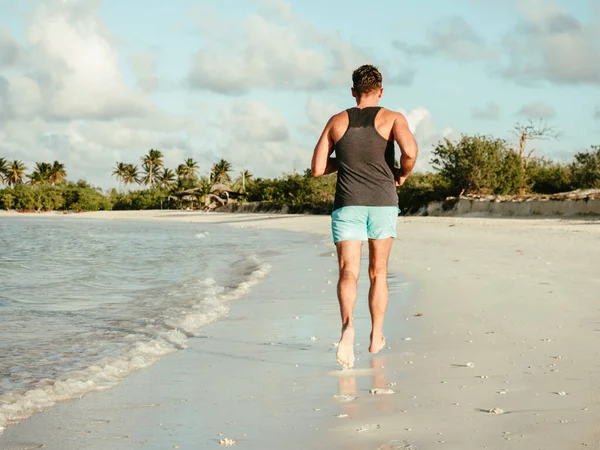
(516, 298)
(120, 344)
(258, 373)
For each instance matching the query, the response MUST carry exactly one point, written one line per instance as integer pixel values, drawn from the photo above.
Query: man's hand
(399, 176)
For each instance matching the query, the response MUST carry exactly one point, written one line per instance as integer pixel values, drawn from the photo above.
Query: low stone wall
(578, 203)
(558, 205)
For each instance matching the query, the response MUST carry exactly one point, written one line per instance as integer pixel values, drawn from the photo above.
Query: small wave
(106, 374)
(202, 235)
(255, 277)
(178, 327)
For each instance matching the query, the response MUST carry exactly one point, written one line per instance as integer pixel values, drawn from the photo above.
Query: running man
(366, 202)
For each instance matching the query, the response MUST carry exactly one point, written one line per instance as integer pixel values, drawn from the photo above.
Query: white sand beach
(493, 338)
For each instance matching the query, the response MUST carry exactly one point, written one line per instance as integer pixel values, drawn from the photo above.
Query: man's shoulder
(339, 118)
(396, 118)
(341, 115)
(391, 113)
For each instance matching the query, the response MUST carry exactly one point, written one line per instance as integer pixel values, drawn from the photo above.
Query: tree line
(46, 187)
(475, 164)
(153, 172)
(13, 173)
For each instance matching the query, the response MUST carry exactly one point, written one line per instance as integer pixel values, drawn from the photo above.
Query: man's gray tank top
(365, 160)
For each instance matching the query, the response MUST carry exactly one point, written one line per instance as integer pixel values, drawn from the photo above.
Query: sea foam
(174, 333)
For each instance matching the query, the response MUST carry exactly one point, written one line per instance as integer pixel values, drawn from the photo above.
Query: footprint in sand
(369, 427)
(345, 398)
(381, 391)
(397, 445)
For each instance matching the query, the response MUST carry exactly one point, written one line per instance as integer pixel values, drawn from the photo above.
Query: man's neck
(367, 101)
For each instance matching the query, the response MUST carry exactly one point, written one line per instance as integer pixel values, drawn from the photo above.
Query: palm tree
(188, 169)
(166, 177)
(205, 190)
(3, 170)
(220, 172)
(120, 172)
(150, 174)
(152, 164)
(242, 180)
(41, 174)
(15, 173)
(57, 173)
(131, 174)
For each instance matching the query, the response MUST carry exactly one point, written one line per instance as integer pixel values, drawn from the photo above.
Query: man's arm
(322, 162)
(408, 148)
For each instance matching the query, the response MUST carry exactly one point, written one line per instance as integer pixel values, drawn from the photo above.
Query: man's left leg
(349, 265)
(381, 226)
(379, 253)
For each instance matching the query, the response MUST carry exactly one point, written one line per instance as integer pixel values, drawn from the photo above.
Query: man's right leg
(349, 268)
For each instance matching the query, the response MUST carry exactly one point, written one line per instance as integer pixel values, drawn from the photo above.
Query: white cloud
(252, 121)
(537, 110)
(550, 44)
(453, 38)
(426, 134)
(144, 69)
(267, 56)
(253, 137)
(76, 53)
(65, 97)
(9, 48)
(292, 55)
(317, 114)
(247, 133)
(459, 41)
(280, 7)
(547, 44)
(489, 111)
(24, 96)
(90, 149)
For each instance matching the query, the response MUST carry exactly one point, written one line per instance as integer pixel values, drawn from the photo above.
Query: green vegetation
(302, 190)
(66, 196)
(479, 165)
(487, 166)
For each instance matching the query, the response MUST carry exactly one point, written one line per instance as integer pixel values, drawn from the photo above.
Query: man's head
(366, 80)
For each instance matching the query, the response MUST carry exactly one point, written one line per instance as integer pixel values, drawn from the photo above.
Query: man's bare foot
(377, 343)
(345, 352)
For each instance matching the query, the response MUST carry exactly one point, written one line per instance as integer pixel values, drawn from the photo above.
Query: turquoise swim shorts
(360, 223)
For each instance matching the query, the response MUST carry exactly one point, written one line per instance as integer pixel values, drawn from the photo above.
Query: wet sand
(493, 334)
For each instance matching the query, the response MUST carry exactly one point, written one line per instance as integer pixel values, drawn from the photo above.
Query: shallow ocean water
(84, 303)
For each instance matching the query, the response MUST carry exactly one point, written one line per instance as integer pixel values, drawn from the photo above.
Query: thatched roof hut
(220, 187)
(220, 195)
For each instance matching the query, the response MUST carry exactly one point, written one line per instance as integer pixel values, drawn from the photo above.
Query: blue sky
(92, 82)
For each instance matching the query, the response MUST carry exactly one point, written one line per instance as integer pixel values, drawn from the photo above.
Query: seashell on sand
(381, 391)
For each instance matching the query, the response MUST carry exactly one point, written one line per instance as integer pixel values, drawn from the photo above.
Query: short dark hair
(366, 79)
